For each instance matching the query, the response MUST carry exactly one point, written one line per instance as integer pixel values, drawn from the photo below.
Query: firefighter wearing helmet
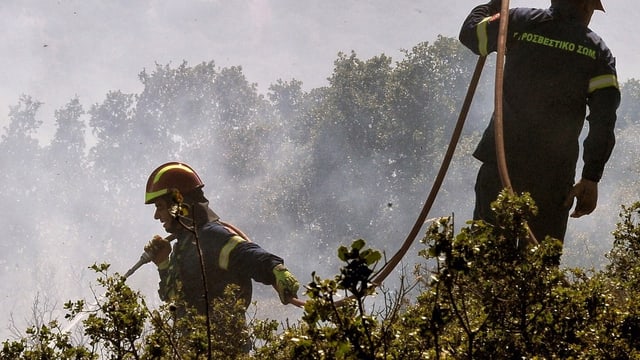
(181, 207)
(555, 69)
(172, 175)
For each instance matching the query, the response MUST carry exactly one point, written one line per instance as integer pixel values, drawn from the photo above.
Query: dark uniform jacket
(555, 68)
(228, 259)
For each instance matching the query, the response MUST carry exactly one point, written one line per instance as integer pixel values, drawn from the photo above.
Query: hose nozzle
(145, 258)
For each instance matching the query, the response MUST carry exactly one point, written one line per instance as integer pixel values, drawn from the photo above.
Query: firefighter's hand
(286, 284)
(586, 193)
(158, 249)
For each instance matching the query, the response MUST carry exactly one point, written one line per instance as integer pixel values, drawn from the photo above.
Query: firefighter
(555, 68)
(180, 205)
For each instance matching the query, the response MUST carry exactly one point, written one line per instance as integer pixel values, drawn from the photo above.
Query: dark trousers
(548, 190)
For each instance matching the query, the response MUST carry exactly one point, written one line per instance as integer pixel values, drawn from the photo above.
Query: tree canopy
(301, 171)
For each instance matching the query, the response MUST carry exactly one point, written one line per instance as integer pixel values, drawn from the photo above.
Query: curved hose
(498, 110)
(499, 136)
(435, 188)
(499, 81)
(455, 137)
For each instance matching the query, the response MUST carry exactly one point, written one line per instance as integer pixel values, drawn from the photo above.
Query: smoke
(58, 50)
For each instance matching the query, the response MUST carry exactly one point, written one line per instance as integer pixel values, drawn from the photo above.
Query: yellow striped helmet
(172, 175)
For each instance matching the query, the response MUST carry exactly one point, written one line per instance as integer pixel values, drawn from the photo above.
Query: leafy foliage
(115, 324)
(321, 166)
(482, 296)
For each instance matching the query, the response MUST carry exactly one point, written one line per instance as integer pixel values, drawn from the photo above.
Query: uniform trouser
(548, 191)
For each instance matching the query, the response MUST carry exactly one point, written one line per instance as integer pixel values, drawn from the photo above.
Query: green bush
(484, 293)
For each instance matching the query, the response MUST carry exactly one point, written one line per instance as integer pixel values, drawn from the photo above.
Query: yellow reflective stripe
(152, 195)
(155, 194)
(603, 81)
(223, 260)
(483, 37)
(170, 167)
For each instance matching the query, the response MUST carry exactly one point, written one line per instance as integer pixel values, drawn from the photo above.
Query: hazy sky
(57, 49)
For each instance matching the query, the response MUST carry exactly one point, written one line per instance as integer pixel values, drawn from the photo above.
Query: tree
(65, 156)
(485, 293)
(244, 125)
(68, 143)
(20, 150)
(20, 157)
(313, 169)
(114, 154)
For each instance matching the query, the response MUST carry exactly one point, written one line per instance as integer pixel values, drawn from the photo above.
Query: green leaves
(486, 299)
(355, 276)
(368, 256)
(378, 120)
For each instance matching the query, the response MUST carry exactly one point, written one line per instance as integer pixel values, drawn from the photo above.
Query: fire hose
(498, 107)
(390, 265)
(500, 151)
(395, 259)
(435, 188)
(455, 137)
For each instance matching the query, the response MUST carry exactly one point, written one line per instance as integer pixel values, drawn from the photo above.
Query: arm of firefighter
(600, 139)
(159, 250)
(163, 287)
(598, 146)
(479, 30)
(239, 254)
(262, 266)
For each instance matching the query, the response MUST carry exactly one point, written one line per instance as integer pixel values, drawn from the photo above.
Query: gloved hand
(586, 193)
(286, 284)
(159, 249)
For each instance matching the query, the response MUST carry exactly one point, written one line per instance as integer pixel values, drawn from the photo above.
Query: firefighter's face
(163, 214)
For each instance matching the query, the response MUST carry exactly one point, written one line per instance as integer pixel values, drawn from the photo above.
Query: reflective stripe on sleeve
(483, 37)
(603, 81)
(231, 244)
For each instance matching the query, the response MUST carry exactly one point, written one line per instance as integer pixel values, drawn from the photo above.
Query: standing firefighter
(555, 68)
(176, 191)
